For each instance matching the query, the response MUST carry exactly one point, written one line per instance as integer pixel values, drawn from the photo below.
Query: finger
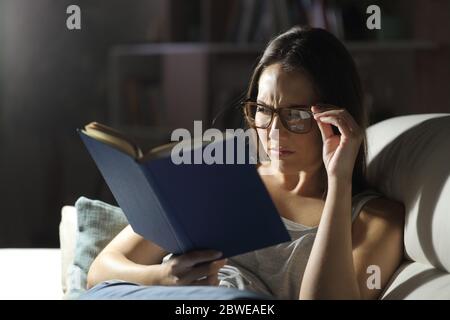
(211, 280)
(195, 257)
(322, 107)
(343, 113)
(353, 126)
(324, 112)
(202, 282)
(340, 123)
(202, 270)
(328, 106)
(351, 123)
(325, 129)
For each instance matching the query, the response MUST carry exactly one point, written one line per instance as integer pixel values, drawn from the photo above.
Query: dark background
(149, 66)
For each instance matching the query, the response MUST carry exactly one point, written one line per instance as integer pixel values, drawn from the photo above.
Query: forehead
(276, 84)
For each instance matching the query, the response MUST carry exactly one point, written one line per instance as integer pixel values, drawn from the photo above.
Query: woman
(346, 239)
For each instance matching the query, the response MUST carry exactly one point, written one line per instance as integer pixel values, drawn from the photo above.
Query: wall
(54, 80)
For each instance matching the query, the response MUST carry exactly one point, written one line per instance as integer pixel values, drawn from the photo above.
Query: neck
(305, 183)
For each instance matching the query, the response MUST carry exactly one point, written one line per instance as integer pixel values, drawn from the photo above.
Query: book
(185, 207)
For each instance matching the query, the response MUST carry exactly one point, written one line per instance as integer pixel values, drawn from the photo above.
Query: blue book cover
(185, 207)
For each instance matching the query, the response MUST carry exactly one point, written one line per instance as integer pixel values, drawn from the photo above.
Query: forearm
(330, 273)
(111, 265)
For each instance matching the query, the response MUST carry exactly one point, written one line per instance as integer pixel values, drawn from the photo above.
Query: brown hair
(325, 60)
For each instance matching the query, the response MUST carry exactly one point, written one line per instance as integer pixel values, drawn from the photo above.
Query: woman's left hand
(339, 151)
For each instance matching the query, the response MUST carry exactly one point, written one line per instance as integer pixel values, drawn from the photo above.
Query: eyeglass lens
(295, 120)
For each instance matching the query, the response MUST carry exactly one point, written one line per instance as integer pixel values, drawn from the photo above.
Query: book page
(113, 138)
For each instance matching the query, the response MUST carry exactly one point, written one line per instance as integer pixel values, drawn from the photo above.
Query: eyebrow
(287, 106)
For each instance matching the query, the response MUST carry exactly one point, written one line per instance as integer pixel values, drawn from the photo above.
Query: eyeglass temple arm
(324, 109)
(321, 108)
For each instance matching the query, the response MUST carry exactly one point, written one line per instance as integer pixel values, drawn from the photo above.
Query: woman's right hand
(192, 268)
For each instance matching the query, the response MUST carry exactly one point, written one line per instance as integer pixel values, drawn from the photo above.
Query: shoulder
(378, 218)
(382, 209)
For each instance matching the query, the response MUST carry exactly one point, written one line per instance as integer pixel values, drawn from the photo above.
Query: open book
(184, 207)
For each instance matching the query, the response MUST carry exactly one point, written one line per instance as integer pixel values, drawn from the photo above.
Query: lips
(280, 151)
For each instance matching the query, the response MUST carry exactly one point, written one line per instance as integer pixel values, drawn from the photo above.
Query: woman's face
(289, 152)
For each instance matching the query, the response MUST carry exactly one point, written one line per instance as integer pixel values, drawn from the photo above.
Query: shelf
(394, 45)
(143, 49)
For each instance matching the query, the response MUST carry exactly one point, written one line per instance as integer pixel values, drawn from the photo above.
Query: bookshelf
(247, 21)
(193, 81)
(206, 58)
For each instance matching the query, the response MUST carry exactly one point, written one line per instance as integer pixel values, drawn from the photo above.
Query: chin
(286, 166)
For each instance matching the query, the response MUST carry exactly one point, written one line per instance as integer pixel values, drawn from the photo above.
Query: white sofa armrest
(30, 274)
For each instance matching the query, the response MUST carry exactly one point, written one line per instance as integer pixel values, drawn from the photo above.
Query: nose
(276, 128)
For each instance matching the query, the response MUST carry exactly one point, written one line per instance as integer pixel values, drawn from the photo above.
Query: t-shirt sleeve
(360, 199)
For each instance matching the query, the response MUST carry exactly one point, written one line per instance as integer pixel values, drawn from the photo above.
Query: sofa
(408, 160)
(37, 274)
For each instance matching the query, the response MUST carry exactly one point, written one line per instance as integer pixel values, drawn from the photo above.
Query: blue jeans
(117, 289)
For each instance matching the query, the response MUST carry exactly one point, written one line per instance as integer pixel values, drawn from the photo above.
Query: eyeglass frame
(277, 111)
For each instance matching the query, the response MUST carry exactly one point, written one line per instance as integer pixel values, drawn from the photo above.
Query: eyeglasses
(296, 119)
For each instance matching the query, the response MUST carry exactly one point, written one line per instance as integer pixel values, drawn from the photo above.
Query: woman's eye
(263, 110)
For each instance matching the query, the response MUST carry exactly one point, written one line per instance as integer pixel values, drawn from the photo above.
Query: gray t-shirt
(278, 270)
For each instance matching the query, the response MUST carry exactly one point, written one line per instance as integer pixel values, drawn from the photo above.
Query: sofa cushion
(414, 280)
(409, 160)
(98, 224)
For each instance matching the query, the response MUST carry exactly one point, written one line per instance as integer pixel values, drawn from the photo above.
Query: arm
(130, 257)
(127, 257)
(342, 253)
(337, 266)
(330, 273)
